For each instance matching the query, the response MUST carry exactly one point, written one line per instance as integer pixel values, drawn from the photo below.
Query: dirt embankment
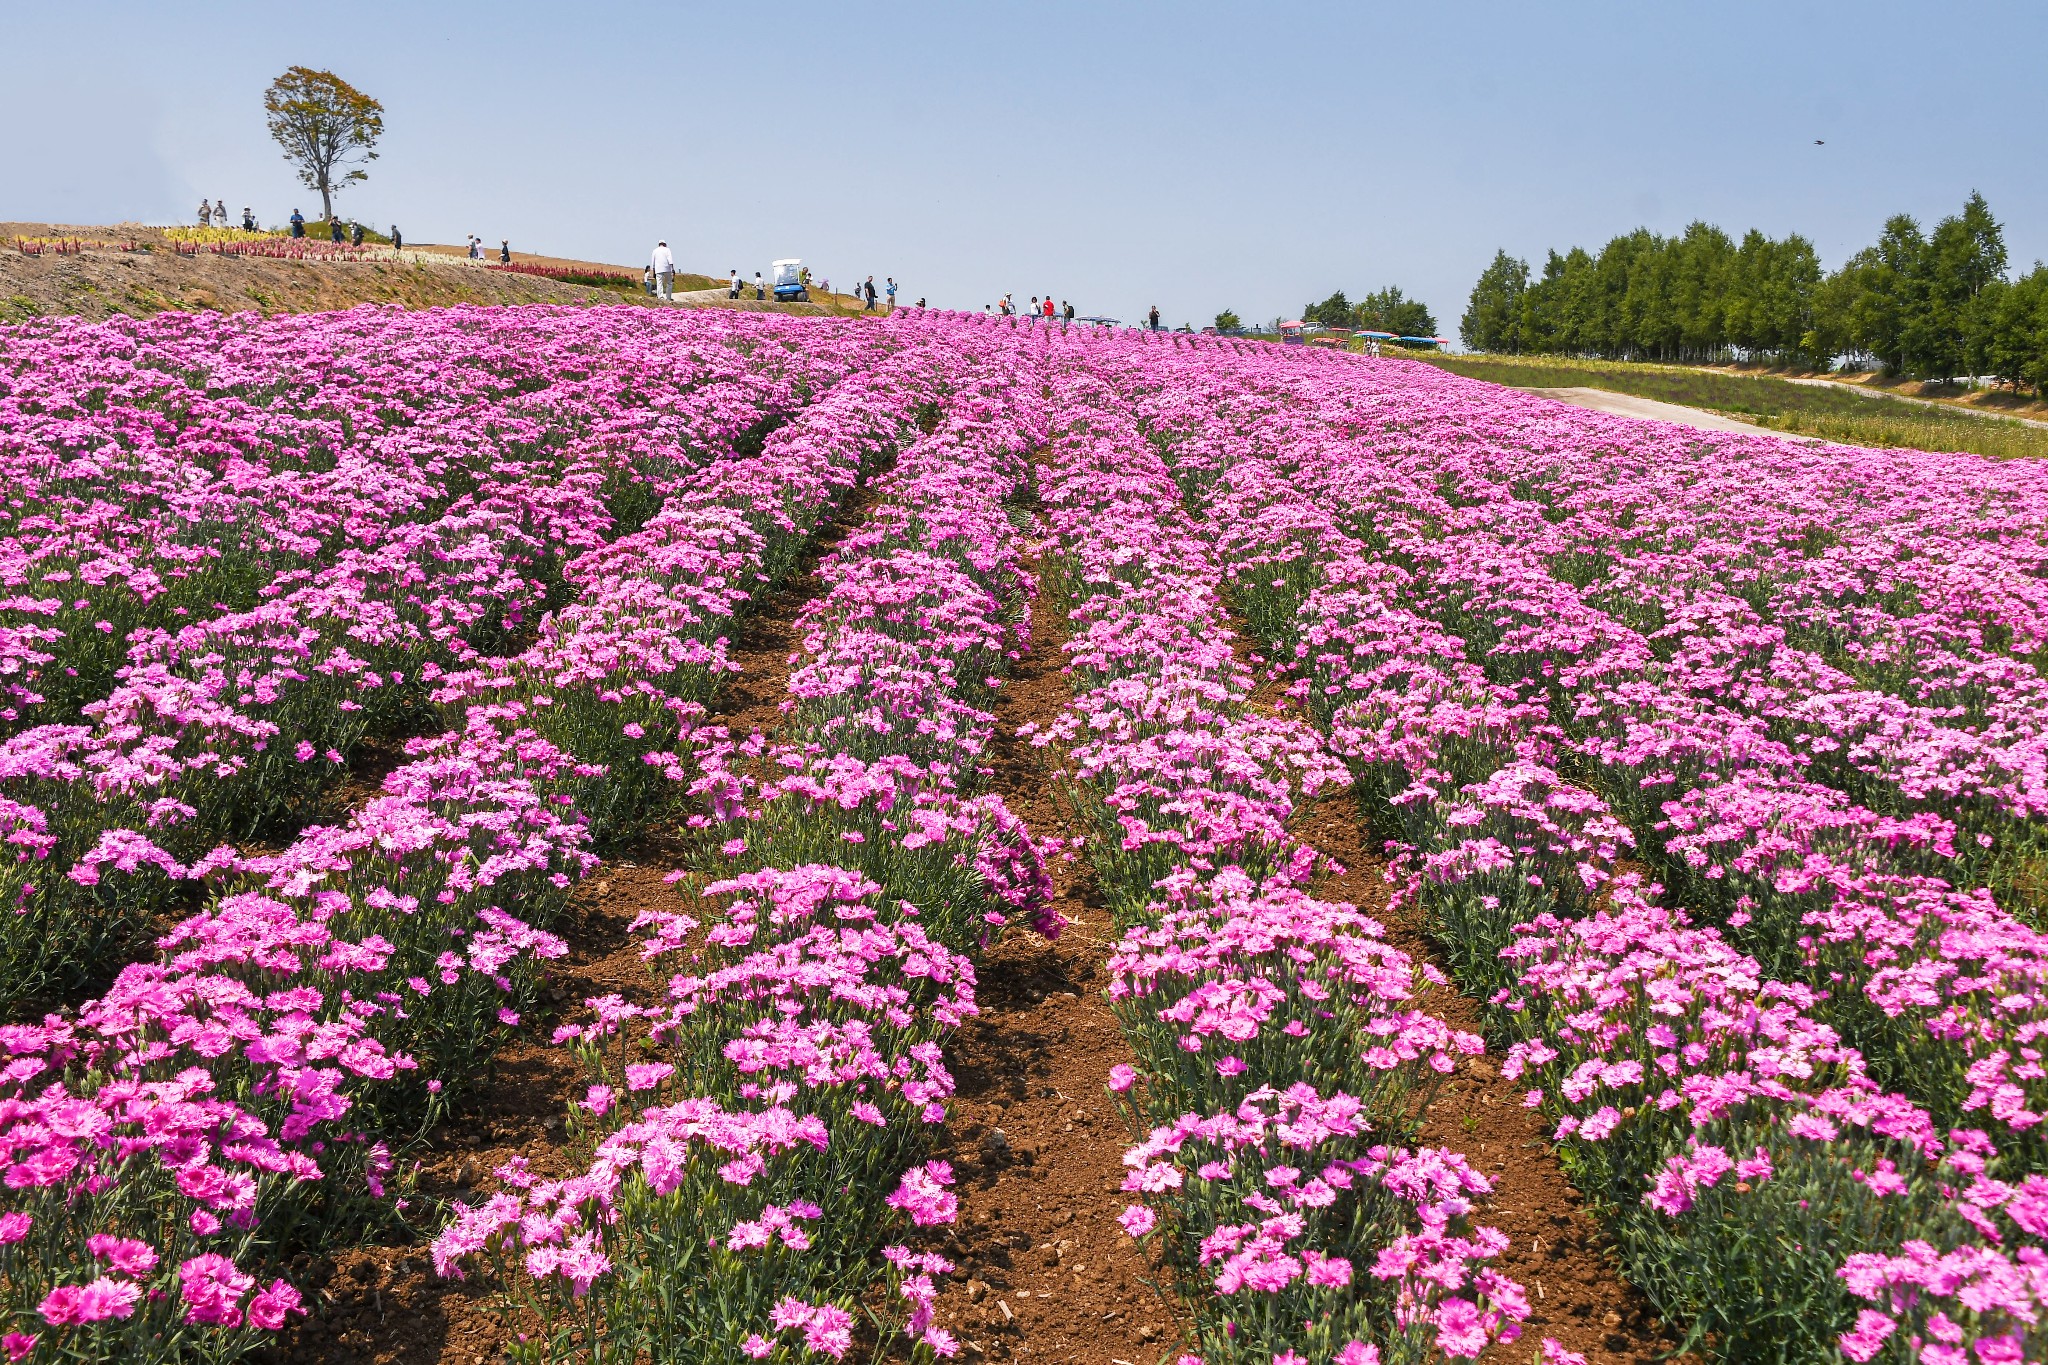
(104, 280)
(107, 279)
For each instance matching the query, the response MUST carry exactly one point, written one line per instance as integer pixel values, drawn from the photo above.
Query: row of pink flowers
(1682, 1075)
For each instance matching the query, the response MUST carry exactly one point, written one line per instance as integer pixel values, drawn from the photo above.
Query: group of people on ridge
(216, 215)
(1006, 307)
(352, 235)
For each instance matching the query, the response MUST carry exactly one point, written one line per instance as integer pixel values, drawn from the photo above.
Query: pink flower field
(340, 654)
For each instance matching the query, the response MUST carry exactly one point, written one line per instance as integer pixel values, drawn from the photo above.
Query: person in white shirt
(732, 285)
(663, 265)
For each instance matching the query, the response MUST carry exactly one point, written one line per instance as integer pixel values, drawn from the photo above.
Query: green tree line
(1385, 310)
(1934, 305)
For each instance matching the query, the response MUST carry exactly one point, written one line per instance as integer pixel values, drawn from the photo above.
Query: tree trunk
(326, 200)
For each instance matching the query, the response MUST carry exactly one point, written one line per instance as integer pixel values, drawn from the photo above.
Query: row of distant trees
(1386, 310)
(1930, 304)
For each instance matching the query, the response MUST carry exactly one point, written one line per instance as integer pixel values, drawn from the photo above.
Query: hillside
(106, 279)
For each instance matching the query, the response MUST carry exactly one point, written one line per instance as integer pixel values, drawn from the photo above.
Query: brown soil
(1043, 1272)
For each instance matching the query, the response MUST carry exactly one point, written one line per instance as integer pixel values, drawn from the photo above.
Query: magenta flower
(211, 1288)
(96, 1301)
(125, 1254)
(922, 1194)
(269, 1306)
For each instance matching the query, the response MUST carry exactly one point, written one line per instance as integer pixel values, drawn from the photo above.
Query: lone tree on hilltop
(323, 123)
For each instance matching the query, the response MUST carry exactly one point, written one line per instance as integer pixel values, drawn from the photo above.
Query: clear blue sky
(1191, 155)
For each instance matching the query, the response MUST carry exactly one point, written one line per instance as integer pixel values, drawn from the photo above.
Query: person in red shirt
(1048, 305)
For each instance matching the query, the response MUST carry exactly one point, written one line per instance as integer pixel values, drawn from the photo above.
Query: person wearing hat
(663, 264)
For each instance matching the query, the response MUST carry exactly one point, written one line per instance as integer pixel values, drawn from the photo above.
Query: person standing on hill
(397, 238)
(1069, 313)
(758, 294)
(334, 234)
(663, 264)
(248, 219)
(220, 213)
(205, 214)
(504, 251)
(867, 291)
(732, 290)
(355, 234)
(1154, 316)
(892, 293)
(1048, 308)
(298, 223)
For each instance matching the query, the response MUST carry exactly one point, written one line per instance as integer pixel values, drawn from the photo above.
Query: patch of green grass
(1799, 409)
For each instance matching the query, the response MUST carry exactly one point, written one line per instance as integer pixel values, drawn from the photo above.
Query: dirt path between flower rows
(1043, 1271)
(384, 1305)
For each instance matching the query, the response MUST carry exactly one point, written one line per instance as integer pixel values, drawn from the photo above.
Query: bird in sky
(1820, 142)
